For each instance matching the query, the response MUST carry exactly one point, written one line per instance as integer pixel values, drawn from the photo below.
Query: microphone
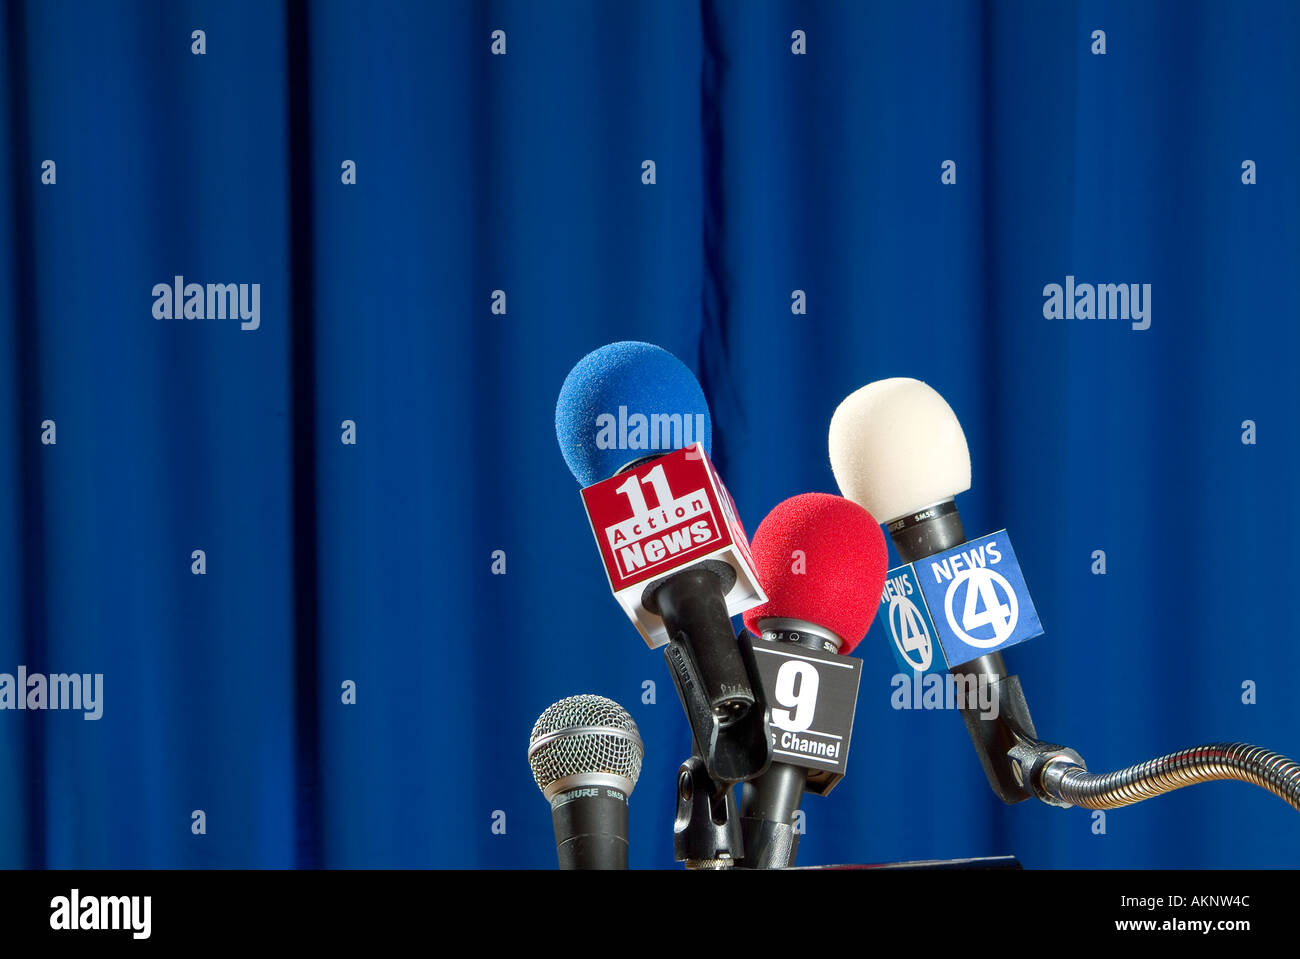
(822, 559)
(604, 413)
(585, 752)
(635, 431)
(897, 449)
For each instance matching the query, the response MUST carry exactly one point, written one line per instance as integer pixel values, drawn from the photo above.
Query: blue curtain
(243, 529)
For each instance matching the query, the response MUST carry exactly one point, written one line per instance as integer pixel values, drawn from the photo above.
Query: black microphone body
(693, 606)
(591, 828)
(922, 534)
(769, 804)
(714, 673)
(585, 753)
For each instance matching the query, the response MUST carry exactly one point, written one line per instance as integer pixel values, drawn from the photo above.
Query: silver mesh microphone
(582, 741)
(585, 753)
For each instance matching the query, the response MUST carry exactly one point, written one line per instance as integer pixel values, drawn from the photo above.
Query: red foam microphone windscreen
(821, 559)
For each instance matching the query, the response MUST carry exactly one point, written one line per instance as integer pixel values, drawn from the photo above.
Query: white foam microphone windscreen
(896, 447)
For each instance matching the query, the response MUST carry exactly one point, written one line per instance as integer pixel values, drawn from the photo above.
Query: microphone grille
(581, 735)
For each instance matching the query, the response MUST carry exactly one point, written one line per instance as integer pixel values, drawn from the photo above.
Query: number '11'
(632, 490)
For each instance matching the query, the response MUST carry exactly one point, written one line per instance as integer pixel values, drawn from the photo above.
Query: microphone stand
(706, 832)
(1020, 766)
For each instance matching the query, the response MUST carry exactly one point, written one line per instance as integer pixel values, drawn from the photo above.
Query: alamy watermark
(945, 691)
(75, 912)
(658, 431)
(1103, 301)
(79, 691)
(214, 301)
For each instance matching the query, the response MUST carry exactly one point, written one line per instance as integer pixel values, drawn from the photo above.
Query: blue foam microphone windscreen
(624, 402)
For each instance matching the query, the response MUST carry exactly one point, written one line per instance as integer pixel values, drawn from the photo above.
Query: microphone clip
(734, 747)
(1036, 765)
